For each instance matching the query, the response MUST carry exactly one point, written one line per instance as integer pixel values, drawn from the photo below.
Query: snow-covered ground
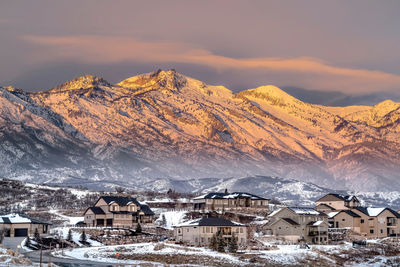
(106, 253)
(11, 258)
(70, 220)
(172, 218)
(63, 231)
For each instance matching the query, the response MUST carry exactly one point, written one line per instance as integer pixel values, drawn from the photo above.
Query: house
(338, 202)
(324, 208)
(226, 201)
(378, 222)
(199, 232)
(299, 224)
(345, 219)
(17, 225)
(117, 211)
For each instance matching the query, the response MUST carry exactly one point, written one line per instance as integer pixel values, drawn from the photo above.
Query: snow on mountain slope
(164, 124)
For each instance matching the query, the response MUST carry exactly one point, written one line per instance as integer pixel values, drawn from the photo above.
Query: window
(381, 231)
(204, 230)
(187, 230)
(362, 221)
(202, 240)
(371, 231)
(241, 230)
(343, 220)
(207, 229)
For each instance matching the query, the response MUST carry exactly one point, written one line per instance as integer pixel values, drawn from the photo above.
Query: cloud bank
(305, 72)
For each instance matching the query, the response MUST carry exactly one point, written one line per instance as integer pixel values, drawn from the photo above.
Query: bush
(83, 238)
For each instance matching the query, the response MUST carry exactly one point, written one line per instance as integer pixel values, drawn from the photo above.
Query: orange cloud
(100, 49)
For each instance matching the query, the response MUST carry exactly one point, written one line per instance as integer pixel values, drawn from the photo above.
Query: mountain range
(164, 126)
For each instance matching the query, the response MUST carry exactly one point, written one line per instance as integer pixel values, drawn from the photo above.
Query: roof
(316, 223)
(290, 221)
(96, 210)
(346, 198)
(306, 211)
(217, 195)
(209, 221)
(274, 212)
(120, 200)
(373, 212)
(146, 209)
(19, 218)
(323, 205)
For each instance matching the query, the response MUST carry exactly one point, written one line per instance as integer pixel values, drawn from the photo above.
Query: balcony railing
(317, 233)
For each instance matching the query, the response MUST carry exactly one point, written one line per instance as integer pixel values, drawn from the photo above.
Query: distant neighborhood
(225, 222)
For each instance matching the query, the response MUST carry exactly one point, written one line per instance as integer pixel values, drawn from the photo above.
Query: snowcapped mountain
(167, 125)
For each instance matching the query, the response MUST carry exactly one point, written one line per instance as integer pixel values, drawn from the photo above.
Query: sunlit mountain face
(166, 125)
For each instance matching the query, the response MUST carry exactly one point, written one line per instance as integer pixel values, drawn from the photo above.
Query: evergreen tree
(138, 228)
(164, 220)
(27, 242)
(232, 245)
(83, 237)
(213, 242)
(69, 236)
(37, 236)
(221, 244)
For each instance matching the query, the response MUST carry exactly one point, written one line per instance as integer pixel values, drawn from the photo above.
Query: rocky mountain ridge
(167, 125)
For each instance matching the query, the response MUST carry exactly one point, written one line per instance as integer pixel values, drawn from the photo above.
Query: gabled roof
(306, 211)
(19, 218)
(346, 198)
(290, 221)
(323, 205)
(210, 221)
(120, 200)
(95, 210)
(373, 212)
(317, 223)
(146, 209)
(217, 195)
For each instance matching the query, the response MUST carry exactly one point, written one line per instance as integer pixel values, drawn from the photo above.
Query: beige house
(228, 201)
(297, 224)
(200, 231)
(117, 211)
(338, 202)
(378, 222)
(16, 225)
(345, 219)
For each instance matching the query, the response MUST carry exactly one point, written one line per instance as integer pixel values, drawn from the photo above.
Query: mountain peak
(269, 93)
(83, 82)
(163, 78)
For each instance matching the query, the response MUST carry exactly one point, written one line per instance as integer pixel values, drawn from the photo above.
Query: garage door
(21, 232)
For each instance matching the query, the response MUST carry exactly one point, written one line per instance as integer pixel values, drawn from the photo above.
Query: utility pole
(40, 256)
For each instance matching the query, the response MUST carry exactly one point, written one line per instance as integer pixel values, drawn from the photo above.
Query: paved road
(12, 242)
(35, 257)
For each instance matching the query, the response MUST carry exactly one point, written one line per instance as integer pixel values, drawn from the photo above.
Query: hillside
(166, 125)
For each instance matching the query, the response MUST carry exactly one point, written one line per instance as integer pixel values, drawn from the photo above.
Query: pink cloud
(304, 71)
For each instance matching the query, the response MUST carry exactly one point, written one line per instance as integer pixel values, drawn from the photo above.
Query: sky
(345, 46)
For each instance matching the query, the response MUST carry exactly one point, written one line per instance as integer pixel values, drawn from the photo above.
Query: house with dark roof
(297, 224)
(199, 232)
(118, 211)
(226, 201)
(378, 222)
(339, 202)
(345, 219)
(18, 225)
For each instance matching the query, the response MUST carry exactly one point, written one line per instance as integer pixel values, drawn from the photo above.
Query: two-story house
(299, 224)
(378, 222)
(337, 202)
(227, 201)
(117, 211)
(199, 232)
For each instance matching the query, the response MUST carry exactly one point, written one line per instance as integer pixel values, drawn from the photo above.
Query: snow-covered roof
(209, 221)
(16, 218)
(218, 195)
(375, 211)
(332, 214)
(317, 223)
(275, 212)
(304, 211)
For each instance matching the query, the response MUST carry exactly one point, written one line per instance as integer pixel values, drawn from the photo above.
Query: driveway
(34, 256)
(12, 242)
